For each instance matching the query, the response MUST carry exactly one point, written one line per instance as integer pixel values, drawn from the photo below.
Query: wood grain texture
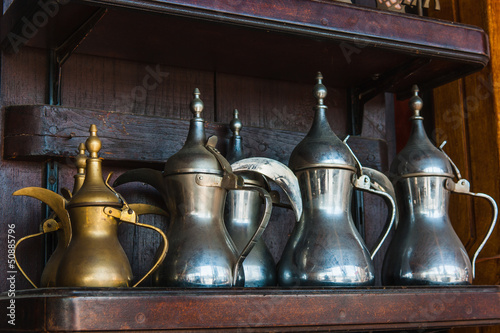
(23, 81)
(252, 37)
(268, 309)
(41, 131)
(470, 124)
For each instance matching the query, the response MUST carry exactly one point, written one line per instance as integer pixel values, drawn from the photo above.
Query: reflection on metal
(325, 249)
(425, 249)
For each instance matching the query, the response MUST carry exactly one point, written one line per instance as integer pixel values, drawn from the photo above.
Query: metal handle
(258, 233)
(127, 215)
(463, 187)
(377, 183)
(164, 242)
(50, 225)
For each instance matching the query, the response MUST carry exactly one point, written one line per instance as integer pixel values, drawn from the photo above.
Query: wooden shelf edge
(358, 42)
(375, 308)
(37, 132)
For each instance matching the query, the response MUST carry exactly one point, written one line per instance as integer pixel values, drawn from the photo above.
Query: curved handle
(258, 233)
(463, 187)
(377, 183)
(50, 225)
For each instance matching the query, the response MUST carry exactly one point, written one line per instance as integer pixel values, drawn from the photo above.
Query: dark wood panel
(22, 81)
(130, 87)
(34, 132)
(302, 309)
(277, 104)
(352, 44)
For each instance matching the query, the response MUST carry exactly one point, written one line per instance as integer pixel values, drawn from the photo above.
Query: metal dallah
(425, 249)
(58, 222)
(194, 185)
(94, 256)
(243, 206)
(325, 249)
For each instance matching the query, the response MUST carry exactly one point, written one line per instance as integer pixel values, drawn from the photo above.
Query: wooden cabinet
(131, 66)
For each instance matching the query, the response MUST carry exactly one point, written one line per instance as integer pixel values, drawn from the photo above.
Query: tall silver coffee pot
(425, 249)
(325, 249)
(243, 206)
(194, 185)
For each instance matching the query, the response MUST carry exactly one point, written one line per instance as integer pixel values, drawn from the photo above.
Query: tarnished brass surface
(90, 254)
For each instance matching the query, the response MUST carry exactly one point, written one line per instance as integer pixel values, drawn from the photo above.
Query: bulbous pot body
(95, 257)
(425, 250)
(325, 248)
(201, 253)
(242, 218)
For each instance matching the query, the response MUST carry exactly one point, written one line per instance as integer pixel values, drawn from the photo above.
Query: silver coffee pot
(325, 249)
(425, 249)
(243, 206)
(194, 185)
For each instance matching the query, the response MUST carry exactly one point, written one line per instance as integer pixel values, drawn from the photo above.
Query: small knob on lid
(81, 158)
(416, 103)
(196, 104)
(235, 124)
(93, 143)
(319, 91)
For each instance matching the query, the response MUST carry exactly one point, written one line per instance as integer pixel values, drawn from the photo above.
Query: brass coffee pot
(58, 222)
(425, 249)
(94, 256)
(243, 206)
(325, 249)
(194, 184)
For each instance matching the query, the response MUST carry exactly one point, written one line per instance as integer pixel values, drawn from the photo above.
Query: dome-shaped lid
(420, 157)
(321, 148)
(194, 157)
(94, 191)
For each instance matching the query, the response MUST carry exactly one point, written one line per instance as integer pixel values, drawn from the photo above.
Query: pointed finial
(196, 104)
(93, 143)
(81, 158)
(235, 123)
(319, 91)
(416, 103)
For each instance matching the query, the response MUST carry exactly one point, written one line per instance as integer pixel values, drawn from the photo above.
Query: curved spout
(55, 201)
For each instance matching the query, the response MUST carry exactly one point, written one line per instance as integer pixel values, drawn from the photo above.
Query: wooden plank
(41, 131)
(359, 309)
(351, 44)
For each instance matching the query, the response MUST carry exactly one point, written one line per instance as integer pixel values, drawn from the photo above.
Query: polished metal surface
(241, 218)
(243, 206)
(321, 147)
(194, 156)
(419, 156)
(325, 248)
(425, 249)
(279, 174)
(195, 184)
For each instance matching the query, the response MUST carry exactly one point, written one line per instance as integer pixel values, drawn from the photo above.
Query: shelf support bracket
(61, 54)
(359, 96)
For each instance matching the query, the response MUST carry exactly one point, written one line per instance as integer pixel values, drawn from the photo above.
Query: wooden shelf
(37, 132)
(359, 309)
(354, 46)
